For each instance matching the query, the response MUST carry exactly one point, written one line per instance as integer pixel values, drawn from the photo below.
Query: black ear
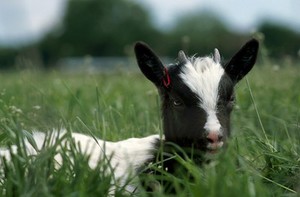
(149, 63)
(243, 61)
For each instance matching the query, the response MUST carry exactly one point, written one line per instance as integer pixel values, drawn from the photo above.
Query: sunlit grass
(262, 158)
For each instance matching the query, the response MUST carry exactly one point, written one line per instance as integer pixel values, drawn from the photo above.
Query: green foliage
(262, 158)
(280, 40)
(7, 57)
(110, 28)
(201, 33)
(37, 175)
(98, 28)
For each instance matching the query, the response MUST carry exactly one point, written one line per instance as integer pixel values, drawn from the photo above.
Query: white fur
(212, 123)
(202, 76)
(124, 156)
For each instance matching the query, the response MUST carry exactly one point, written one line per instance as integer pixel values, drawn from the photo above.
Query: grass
(262, 158)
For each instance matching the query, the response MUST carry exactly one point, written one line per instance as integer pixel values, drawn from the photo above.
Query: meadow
(262, 157)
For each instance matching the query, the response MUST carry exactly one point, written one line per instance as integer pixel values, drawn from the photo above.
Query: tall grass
(262, 157)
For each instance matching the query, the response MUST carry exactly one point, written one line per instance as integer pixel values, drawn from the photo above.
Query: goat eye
(177, 103)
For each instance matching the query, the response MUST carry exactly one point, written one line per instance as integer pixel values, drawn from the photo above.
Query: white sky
(22, 21)
(241, 14)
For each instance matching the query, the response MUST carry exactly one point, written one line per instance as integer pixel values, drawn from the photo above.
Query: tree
(7, 57)
(98, 28)
(200, 33)
(279, 40)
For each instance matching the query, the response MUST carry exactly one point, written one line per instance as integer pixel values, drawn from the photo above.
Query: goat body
(197, 96)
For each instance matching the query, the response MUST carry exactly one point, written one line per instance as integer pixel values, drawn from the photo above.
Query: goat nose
(214, 137)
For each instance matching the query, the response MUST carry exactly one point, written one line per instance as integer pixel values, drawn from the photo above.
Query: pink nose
(214, 137)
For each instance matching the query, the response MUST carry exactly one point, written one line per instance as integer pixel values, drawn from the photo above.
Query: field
(262, 158)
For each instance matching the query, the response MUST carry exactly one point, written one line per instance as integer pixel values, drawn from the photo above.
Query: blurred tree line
(110, 28)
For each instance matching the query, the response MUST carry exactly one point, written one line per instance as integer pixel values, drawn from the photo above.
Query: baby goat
(197, 96)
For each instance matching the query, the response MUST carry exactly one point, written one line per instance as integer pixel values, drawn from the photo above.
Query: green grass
(262, 158)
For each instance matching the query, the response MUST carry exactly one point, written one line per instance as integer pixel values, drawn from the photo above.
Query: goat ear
(243, 61)
(149, 63)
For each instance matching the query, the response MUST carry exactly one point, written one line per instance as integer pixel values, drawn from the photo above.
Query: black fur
(243, 61)
(183, 119)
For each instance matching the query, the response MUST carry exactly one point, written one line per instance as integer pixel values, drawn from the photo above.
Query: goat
(197, 96)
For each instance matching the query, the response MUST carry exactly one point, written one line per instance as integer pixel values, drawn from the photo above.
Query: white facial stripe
(212, 124)
(202, 76)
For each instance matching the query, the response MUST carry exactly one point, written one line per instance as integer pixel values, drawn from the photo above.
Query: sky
(24, 21)
(242, 15)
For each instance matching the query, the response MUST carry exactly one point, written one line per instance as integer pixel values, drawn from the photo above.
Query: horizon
(33, 21)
